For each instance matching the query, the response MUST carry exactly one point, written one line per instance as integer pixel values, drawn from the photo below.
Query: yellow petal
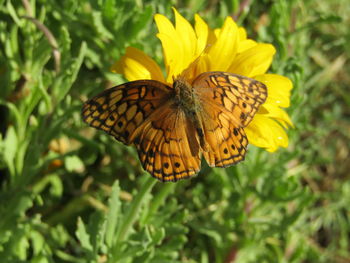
(179, 43)
(202, 31)
(187, 38)
(224, 49)
(265, 133)
(242, 34)
(217, 32)
(253, 61)
(172, 46)
(202, 64)
(173, 56)
(245, 45)
(136, 65)
(278, 114)
(212, 36)
(279, 88)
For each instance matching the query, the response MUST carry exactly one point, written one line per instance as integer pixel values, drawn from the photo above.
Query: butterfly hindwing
(166, 146)
(227, 142)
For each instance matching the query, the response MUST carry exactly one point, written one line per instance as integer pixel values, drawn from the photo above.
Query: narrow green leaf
(70, 74)
(12, 12)
(10, 148)
(83, 236)
(96, 229)
(98, 23)
(142, 20)
(109, 9)
(113, 214)
(20, 249)
(37, 241)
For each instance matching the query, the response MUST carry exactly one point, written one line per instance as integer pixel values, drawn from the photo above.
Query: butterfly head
(185, 96)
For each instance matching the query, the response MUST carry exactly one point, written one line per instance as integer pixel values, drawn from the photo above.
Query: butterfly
(172, 127)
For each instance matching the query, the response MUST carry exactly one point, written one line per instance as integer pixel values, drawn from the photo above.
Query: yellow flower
(224, 49)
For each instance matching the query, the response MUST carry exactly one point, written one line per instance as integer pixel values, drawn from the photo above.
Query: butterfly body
(188, 101)
(172, 127)
(186, 97)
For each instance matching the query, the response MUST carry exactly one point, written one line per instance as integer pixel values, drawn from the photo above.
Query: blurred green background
(72, 194)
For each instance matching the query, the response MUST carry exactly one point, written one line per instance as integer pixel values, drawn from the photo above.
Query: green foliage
(71, 194)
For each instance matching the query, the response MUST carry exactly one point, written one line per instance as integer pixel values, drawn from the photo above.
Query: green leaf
(37, 242)
(10, 148)
(98, 23)
(65, 81)
(83, 236)
(109, 9)
(142, 20)
(134, 209)
(12, 12)
(53, 181)
(73, 163)
(21, 247)
(113, 214)
(96, 229)
(158, 235)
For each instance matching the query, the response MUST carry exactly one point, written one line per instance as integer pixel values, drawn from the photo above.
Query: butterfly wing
(141, 113)
(229, 103)
(238, 95)
(168, 148)
(227, 141)
(121, 110)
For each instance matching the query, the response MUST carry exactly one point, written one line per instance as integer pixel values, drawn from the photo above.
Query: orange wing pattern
(227, 141)
(140, 113)
(229, 103)
(121, 110)
(237, 95)
(168, 148)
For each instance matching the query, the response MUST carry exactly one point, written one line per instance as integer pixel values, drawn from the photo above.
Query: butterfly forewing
(229, 103)
(121, 111)
(238, 95)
